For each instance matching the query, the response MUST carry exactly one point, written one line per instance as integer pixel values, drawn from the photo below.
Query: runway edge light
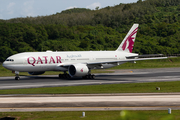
(169, 110)
(83, 114)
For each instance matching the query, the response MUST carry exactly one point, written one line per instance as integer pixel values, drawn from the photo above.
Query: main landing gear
(67, 76)
(17, 75)
(89, 76)
(64, 76)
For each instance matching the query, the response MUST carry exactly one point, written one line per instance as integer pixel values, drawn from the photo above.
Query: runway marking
(87, 108)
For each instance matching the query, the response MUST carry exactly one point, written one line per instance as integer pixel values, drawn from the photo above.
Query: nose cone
(7, 65)
(4, 64)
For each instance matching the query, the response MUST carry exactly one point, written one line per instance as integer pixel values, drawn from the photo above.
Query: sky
(32, 8)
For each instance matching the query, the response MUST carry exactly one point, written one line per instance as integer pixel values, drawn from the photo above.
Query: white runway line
(159, 98)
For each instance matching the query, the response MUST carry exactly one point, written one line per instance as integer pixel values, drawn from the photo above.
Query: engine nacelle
(78, 70)
(36, 73)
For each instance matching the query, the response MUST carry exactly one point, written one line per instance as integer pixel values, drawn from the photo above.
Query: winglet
(128, 43)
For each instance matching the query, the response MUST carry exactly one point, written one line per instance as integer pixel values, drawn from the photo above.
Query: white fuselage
(52, 61)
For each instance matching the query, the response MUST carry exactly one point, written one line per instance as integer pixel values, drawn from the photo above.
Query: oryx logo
(82, 70)
(130, 40)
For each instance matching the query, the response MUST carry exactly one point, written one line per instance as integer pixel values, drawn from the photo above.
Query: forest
(82, 29)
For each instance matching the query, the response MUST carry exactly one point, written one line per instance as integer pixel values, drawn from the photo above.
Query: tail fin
(128, 43)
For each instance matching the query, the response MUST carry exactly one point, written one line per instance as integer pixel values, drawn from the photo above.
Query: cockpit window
(10, 60)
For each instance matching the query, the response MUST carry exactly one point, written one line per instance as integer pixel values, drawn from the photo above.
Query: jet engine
(78, 70)
(36, 73)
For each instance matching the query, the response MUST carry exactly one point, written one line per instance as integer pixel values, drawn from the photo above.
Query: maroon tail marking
(130, 40)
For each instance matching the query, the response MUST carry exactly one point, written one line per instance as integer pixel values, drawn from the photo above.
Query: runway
(120, 76)
(90, 102)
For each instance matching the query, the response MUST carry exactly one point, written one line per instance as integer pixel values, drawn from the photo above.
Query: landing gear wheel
(89, 77)
(60, 75)
(16, 78)
(17, 75)
(92, 76)
(64, 76)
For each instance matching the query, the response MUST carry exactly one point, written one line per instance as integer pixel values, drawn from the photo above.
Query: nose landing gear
(17, 75)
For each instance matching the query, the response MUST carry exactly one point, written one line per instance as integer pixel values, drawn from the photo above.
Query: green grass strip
(95, 115)
(107, 88)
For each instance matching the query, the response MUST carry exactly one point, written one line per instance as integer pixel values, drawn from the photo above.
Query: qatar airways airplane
(76, 63)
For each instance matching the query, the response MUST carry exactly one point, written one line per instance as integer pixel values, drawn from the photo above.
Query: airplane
(76, 63)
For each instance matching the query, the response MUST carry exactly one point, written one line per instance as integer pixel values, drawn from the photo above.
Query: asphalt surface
(120, 76)
(91, 102)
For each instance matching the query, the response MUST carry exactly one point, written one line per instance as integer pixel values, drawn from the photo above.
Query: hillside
(101, 29)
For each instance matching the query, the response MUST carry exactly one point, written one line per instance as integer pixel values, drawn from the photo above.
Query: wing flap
(145, 56)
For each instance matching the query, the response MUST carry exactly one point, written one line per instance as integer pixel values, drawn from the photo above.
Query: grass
(95, 115)
(107, 88)
(111, 88)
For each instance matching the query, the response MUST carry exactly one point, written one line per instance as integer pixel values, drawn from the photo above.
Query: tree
(5, 52)
(97, 8)
(139, 1)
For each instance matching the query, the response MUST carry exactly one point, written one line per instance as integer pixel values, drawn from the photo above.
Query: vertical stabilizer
(128, 42)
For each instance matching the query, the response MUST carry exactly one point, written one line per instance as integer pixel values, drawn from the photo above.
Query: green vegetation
(95, 89)
(101, 29)
(95, 115)
(75, 10)
(81, 29)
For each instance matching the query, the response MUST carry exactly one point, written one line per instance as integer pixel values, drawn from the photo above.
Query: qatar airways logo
(73, 56)
(130, 40)
(44, 60)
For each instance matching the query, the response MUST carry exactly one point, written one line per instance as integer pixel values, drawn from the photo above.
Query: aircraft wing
(114, 61)
(126, 60)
